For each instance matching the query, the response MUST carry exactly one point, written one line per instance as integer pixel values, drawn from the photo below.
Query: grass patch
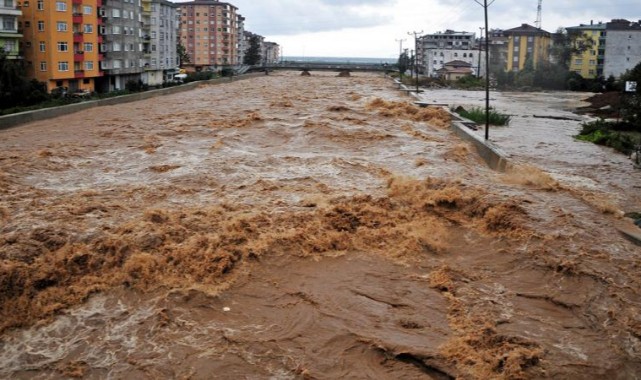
(610, 134)
(477, 115)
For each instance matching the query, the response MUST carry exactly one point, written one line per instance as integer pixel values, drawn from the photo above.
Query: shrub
(477, 115)
(610, 134)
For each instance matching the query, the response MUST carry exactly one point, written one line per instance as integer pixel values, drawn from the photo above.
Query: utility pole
(485, 5)
(400, 47)
(400, 55)
(478, 72)
(415, 33)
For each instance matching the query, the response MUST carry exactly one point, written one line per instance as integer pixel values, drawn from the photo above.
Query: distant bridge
(320, 66)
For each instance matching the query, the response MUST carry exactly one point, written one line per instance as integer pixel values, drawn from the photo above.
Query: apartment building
(272, 52)
(241, 45)
(622, 49)
(122, 44)
(9, 34)
(498, 43)
(527, 42)
(160, 34)
(61, 42)
(589, 64)
(435, 50)
(209, 33)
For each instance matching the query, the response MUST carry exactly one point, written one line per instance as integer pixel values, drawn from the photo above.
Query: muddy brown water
(303, 227)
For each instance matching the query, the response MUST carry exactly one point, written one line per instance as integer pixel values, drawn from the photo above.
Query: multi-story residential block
(622, 50)
(61, 42)
(435, 60)
(498, 43)
(122, 45)
(9, 35)
(527, 43)
(241, 46)
(589, 63)
(272, 52)
(160, 36)
(209, 32)
(435, 50)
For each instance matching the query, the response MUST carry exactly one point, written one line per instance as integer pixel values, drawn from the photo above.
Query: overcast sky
(370, 28)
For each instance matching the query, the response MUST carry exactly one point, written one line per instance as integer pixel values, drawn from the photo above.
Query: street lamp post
(485, 5)
(478, 72)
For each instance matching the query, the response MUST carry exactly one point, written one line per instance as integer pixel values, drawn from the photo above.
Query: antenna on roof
(538, 14)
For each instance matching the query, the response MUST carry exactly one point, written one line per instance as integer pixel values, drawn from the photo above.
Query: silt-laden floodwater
(300, 227)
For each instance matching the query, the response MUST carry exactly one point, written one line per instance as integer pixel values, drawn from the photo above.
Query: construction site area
(313, 227)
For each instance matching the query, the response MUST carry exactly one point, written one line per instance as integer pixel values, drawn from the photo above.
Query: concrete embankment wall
(490, 153)
(16, 119)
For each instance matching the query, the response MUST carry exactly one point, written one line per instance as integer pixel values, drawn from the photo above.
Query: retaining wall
(490, 153)
(8, 121)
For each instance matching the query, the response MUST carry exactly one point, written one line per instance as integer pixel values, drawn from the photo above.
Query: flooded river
(317, 227)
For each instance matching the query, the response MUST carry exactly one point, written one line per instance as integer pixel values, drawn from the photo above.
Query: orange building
(61, 42)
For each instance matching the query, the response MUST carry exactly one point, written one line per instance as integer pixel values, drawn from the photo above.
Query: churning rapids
(303, 227)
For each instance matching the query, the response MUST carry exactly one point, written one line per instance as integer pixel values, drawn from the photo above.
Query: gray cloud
(288, 17)
(507, 14)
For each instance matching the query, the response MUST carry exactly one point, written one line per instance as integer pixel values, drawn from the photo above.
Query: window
(88, 28)
(27, 24)
(63, 46)
(516, 49)
(88, 46)
(61, 6)
(41, 5)
(471, 55)
(125, 14)
(88, 65)
(43, 66)
(86, 9)
(63, 66)
(115, 13)
(530, 39)
(25, 4)
(115, 29)
(61, 26)
(592, 62)
(115, 46)
(117, 64)
(8, 23)
(578, 61)
(41, 26)
(42, 46)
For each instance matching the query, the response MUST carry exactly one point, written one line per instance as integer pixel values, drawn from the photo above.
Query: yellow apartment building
(527, 42)
(589, 64)
(61, 42)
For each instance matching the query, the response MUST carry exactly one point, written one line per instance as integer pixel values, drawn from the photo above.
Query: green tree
(403, 63)
(15, 88)
(252, 55)
(631, 102)
(181, 51)
(568, 43)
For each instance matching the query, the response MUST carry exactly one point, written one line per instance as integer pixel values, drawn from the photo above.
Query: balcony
(76, 2)
(77, 18)
(78, 37)
(79, 73)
